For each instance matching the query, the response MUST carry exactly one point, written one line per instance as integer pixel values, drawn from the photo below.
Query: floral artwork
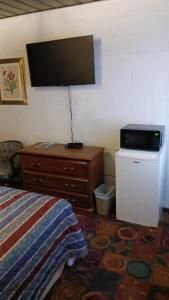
(12, 81)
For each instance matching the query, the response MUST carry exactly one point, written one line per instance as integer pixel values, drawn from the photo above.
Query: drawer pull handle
(34, 164)
(34, 179)
(68, 169)
(72, 200)
(70, 185)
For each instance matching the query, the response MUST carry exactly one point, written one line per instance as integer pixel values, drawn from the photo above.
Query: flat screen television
(62, 62)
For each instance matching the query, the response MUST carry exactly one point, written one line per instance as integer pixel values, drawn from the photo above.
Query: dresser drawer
(76, 200)
(55, 165)
(58, 182)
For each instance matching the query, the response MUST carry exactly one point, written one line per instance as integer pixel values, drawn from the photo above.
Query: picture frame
(12, 81)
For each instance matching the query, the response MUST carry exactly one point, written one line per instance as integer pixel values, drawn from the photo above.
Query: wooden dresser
(69, 173)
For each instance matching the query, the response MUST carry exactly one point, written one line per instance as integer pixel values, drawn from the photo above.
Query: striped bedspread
(37, 234)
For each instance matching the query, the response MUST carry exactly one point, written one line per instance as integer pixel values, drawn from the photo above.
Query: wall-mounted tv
(67, 62)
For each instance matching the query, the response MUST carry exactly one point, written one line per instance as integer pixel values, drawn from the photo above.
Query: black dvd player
(74, 145)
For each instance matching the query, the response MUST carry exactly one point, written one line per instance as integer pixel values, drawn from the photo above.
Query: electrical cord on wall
(70, 112)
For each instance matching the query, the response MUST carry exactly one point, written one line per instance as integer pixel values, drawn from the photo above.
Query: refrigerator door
(137, 187)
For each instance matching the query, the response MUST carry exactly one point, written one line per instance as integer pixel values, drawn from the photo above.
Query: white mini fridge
(139, 186)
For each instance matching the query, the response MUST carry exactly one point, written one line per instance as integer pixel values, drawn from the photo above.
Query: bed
(38, 235)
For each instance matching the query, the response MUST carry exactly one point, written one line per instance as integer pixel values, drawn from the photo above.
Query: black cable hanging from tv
(70, 112)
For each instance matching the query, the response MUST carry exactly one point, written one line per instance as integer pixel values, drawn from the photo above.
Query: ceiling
(11, 8)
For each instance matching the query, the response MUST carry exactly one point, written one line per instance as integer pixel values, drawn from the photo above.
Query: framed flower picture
(12, 81)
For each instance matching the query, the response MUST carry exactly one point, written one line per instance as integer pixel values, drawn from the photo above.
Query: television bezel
(34, 82)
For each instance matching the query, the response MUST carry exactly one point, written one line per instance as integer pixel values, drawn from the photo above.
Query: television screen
(62, 62)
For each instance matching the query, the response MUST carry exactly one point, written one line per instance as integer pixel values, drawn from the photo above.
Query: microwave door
(135, 140)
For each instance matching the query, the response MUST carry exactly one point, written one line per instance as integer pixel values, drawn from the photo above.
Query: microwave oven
(142, 137)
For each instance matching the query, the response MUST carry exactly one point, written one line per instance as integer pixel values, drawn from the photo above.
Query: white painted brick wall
(132, 75)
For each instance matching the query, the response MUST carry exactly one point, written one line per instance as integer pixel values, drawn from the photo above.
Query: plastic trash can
(105, 199)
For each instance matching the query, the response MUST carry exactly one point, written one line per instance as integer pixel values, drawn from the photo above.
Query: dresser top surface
(58, 150)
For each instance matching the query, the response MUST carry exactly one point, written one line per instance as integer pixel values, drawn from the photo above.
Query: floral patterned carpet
(125, 262)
